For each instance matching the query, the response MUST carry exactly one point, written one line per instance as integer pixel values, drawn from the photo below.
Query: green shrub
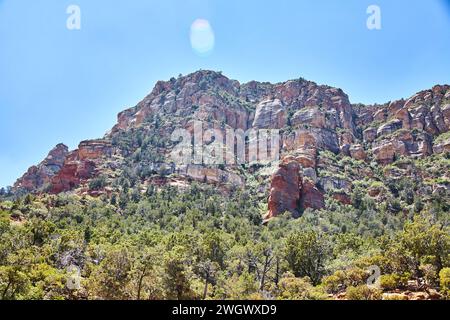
(444, 279)
(97, 183)
(342, 279)
(355, 276)
(292, 288)
(363, 292)
(334, 282)
(389, 281)
(430, 273)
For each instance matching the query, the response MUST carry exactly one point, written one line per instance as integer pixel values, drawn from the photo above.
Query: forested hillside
(354, 206)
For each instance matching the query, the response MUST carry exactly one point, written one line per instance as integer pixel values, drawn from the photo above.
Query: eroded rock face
(270, 114)
(285, 187)
(71, 174)
(311, 196)
(313, 138)
(80, 165)
(211, 175)
(94, 149)
(385, 152)
(306, 157)
(309, 117)
(403, 143)
(293, 188)
(389, 127)
(38, 176)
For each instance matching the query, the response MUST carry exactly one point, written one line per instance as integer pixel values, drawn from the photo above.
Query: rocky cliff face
(312, 119)
(82, 164)
(37, 177)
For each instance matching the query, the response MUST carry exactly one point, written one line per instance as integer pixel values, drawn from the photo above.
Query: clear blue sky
(58, 85)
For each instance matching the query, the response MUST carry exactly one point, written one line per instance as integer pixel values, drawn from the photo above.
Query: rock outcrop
(285, 188)
(293, 189)
(40, 176)
(270, 114)
(81, 164)
(357, 152)
(442, 146)
(311, 196)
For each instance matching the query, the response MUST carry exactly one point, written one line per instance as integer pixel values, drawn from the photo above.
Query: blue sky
(60, 85)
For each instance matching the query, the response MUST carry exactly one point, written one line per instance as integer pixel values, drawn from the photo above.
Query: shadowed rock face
(311, 196)
(311, 118)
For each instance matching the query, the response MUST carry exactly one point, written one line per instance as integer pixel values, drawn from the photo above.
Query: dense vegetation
(201, 243)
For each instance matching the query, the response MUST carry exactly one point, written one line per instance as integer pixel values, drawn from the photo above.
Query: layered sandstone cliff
(311, 119)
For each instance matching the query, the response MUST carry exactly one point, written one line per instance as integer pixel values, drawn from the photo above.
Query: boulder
(389, 127)
(357, 152)
(370, 134)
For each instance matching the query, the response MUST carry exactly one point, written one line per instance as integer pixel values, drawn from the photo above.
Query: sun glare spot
(202, 37)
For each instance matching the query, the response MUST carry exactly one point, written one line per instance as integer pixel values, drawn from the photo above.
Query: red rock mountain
(313, 120)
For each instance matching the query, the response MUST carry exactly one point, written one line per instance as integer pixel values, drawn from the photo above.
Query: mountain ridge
(312, 119)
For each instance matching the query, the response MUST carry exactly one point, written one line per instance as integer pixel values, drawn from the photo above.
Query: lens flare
(202, 37)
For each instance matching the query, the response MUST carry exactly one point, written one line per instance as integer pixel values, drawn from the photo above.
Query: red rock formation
(40, 175)
(289, 191)
(311, 118)
(306, 157)
(94, 149)
(311, 197)
(342, 197)
(72, 173)
(285, 188)
(80, 165)
(385, 152)
(270, 114)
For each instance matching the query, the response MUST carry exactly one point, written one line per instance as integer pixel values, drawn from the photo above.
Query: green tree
(111, 278)
(425, 240)
(306, 254)
(176, 279)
